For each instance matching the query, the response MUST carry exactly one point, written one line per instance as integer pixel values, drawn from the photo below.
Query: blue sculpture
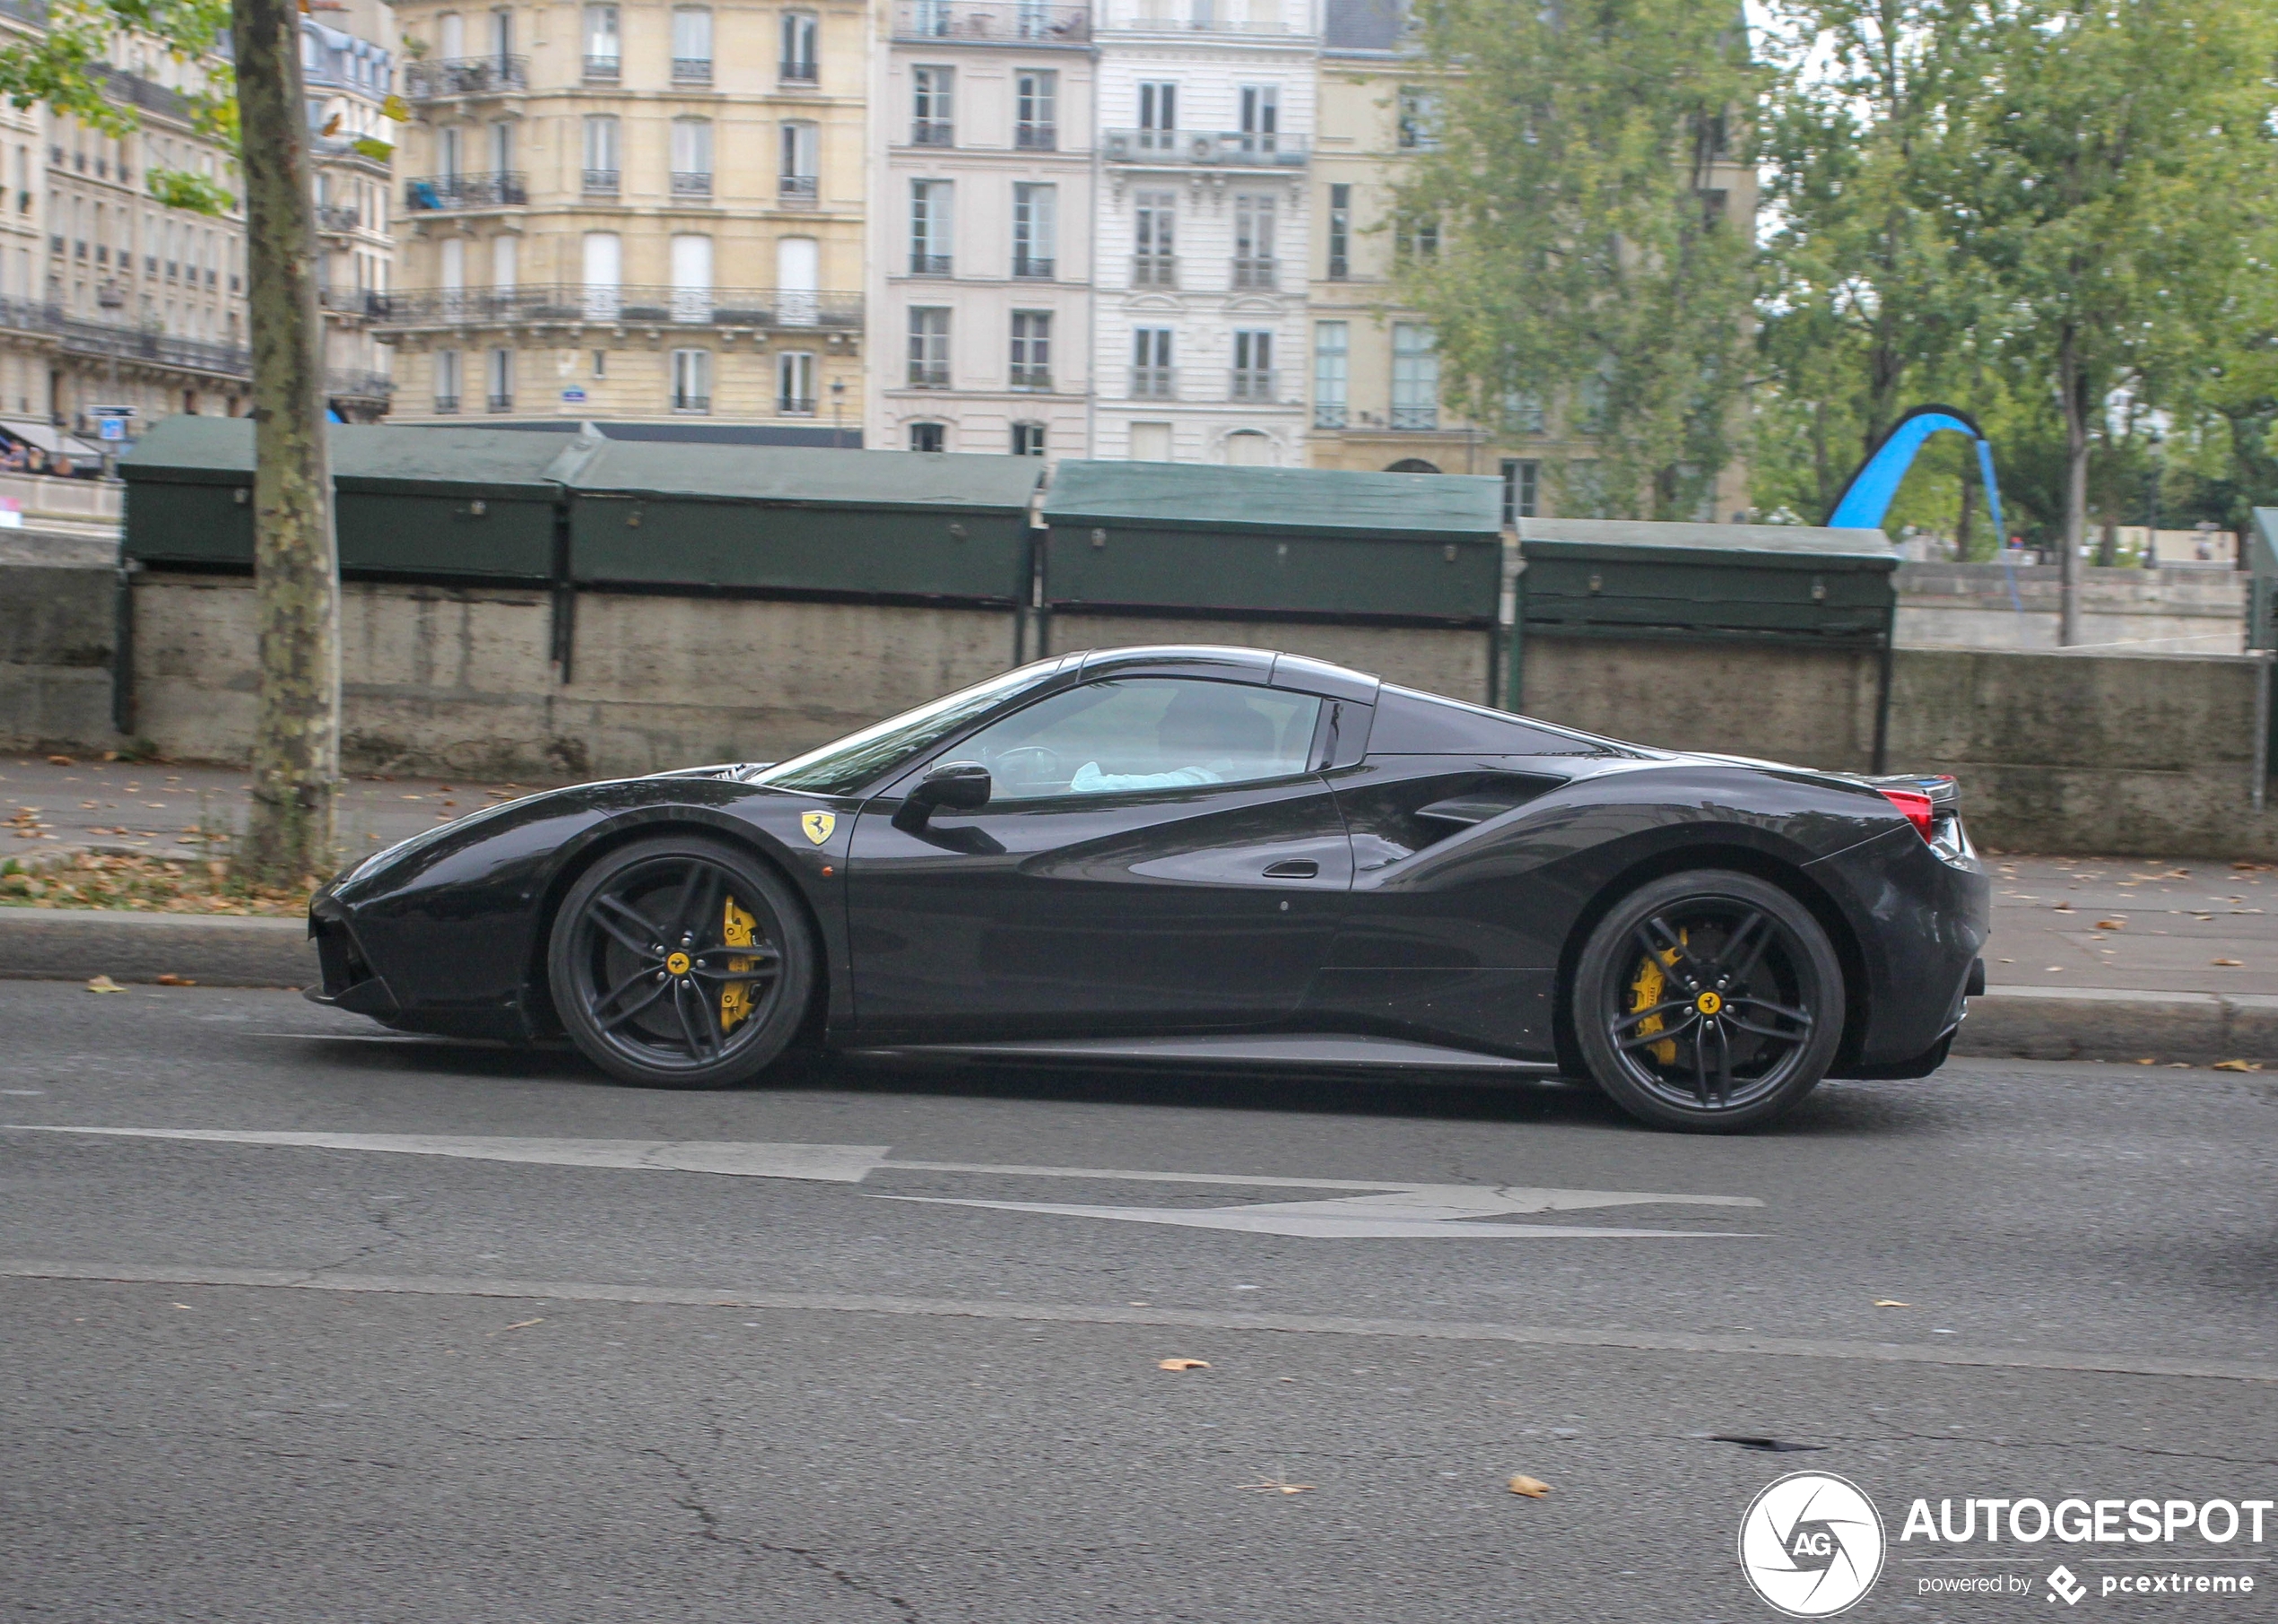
(1866, 500)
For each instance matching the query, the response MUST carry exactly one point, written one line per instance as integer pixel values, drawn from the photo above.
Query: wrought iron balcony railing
(797, 73)
(496, 189)
(795, 406)
(691, 70)
(447, 405)
(1413, 419)
(338, 218)
(359, 385)
(601, 183)
(692, 183)
(993, 22)
(466, 76)
(928, 265)
(1154, 271)
(501, 402)
(1028, 268)
(604, 69)
(365, 302)
(1329, 416)
(797, 192)
(555, 304)
(693, 402)
(933, 132)
(1154, 383)
(1216, 149)
(1036, 137)
(1254, 383)
(1253, 272)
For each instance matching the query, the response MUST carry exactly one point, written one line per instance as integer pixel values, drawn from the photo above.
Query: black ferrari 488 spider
(1199, 856)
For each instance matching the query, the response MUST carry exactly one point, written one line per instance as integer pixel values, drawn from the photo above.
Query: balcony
(800, 76)
(800, 405)
(692, 183)
(1029, 268)
(447, 405)
(604, 69)
(1329, 414)
(1201, 17)
(337, 219)
(146, 344)
(691, 70)
(928, 265)
(466, 76)
(932, 131)
(571, 304)
(797, 192)
(1032, 380)
(1154, 383)
(1258, 273)
(501, 402)
(1036, 137)
(365, 302)
(992, 22)
(1414, 419)
(601, 183)
(1207, 149)
(359, 386)
(498, 189)
(692, 404)
(1254, 383)
(1154, 271)
(928, 375)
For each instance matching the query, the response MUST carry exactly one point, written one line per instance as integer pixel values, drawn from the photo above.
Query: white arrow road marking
(1413, 1212)
(840, 1164)
(1376, 1210)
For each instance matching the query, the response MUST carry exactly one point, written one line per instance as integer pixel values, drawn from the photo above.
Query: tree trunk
(296, 741)
(2073, 382)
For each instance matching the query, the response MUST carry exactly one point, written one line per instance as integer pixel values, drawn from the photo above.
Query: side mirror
(959, 785)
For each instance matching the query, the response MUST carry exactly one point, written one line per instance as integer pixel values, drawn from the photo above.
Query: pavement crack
(709, 1528)
(381, 1213)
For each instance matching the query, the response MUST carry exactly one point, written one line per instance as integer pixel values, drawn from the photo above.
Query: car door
(1158, 852)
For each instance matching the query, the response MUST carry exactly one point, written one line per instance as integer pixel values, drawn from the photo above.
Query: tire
(659, 1007)
(1708, 1002)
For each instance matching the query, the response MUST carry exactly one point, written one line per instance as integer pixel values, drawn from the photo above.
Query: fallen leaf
(1182, 1364)
(2112, 925)
(2233, 1065)
(1891, 1302)
(61, 761)
(1534, 1489)
(104, 984)
(170, 979)
(522, 1325)
(2147, 1063)
(2228, 963)
(186, 1305)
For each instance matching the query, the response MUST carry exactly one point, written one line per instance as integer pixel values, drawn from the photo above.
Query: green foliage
(67, 66)
(1581, 260)
(181, 189)
(2038, 210)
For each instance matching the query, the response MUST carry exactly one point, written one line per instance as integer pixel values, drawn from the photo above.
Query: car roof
(1229, 664)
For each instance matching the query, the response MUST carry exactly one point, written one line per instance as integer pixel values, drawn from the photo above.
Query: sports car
(1199, 856)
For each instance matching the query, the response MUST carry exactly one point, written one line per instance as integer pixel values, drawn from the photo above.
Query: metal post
(122, 673)
(2259, 791)
(1512, 611)
(1882, 689)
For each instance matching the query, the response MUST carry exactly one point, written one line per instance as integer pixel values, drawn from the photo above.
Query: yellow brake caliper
(735, 997)
(1645, 992)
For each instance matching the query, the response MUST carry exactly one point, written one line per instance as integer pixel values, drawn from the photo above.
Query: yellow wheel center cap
(678, 964)
(1708, 1003)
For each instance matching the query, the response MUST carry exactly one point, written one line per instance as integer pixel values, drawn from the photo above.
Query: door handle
(1294, 868)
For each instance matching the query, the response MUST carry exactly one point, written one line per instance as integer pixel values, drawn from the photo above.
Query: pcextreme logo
(1812, 1544)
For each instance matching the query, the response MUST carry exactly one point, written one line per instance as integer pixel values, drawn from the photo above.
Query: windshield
(844, 765)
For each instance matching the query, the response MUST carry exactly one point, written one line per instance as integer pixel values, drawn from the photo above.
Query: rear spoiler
(1944, 789)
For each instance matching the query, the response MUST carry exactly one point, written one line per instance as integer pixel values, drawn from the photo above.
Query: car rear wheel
(680, 963)
(1708, 1001)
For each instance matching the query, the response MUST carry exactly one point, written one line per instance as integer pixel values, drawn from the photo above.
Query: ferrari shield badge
(818, 825)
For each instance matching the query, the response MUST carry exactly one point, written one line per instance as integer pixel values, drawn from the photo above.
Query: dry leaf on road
(170, 979)
(2232, 963)
(1891, 1302)
(1277, 1485)
(1534, 1489)
(104, 984)
(2235, 1065)
(2112, 925)
(1182, 1364)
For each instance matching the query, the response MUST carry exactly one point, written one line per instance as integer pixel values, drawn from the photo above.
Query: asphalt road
(759, 1355)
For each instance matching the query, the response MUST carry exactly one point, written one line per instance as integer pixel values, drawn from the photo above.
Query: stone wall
(2073, 753)
(2176, 610)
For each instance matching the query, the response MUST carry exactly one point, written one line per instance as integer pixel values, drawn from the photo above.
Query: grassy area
(149, 885)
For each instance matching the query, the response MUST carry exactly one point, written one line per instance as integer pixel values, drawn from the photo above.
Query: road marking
(1373, 1210)
(1457, 1331)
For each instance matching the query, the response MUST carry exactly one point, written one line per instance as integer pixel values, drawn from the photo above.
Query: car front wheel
(681, 962)
(1708, 1002)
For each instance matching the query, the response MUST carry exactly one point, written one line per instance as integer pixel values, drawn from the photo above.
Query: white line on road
(1377, 1211)
(1888, 1353)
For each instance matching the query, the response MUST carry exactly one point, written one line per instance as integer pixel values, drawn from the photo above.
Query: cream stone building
(1373, 379)
(350, 64)
(635, 212)
(980, 274)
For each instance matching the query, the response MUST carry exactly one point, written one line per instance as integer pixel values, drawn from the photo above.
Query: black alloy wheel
(1709, 1001)
(681, 962)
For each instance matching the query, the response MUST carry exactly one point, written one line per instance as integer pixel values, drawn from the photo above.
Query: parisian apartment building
(633, 213)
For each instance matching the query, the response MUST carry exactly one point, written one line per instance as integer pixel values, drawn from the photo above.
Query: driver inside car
(1209, 729)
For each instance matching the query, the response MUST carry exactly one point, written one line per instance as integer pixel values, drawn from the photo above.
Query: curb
(2007, 1022)
(215, 949)
(2110, 1023)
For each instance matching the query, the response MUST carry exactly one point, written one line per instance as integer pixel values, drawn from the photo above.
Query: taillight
(1916, 806)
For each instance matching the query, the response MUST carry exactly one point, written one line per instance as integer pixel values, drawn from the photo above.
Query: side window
(1148, 733)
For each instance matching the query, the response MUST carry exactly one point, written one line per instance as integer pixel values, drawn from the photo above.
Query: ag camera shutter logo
(1812, 1544)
